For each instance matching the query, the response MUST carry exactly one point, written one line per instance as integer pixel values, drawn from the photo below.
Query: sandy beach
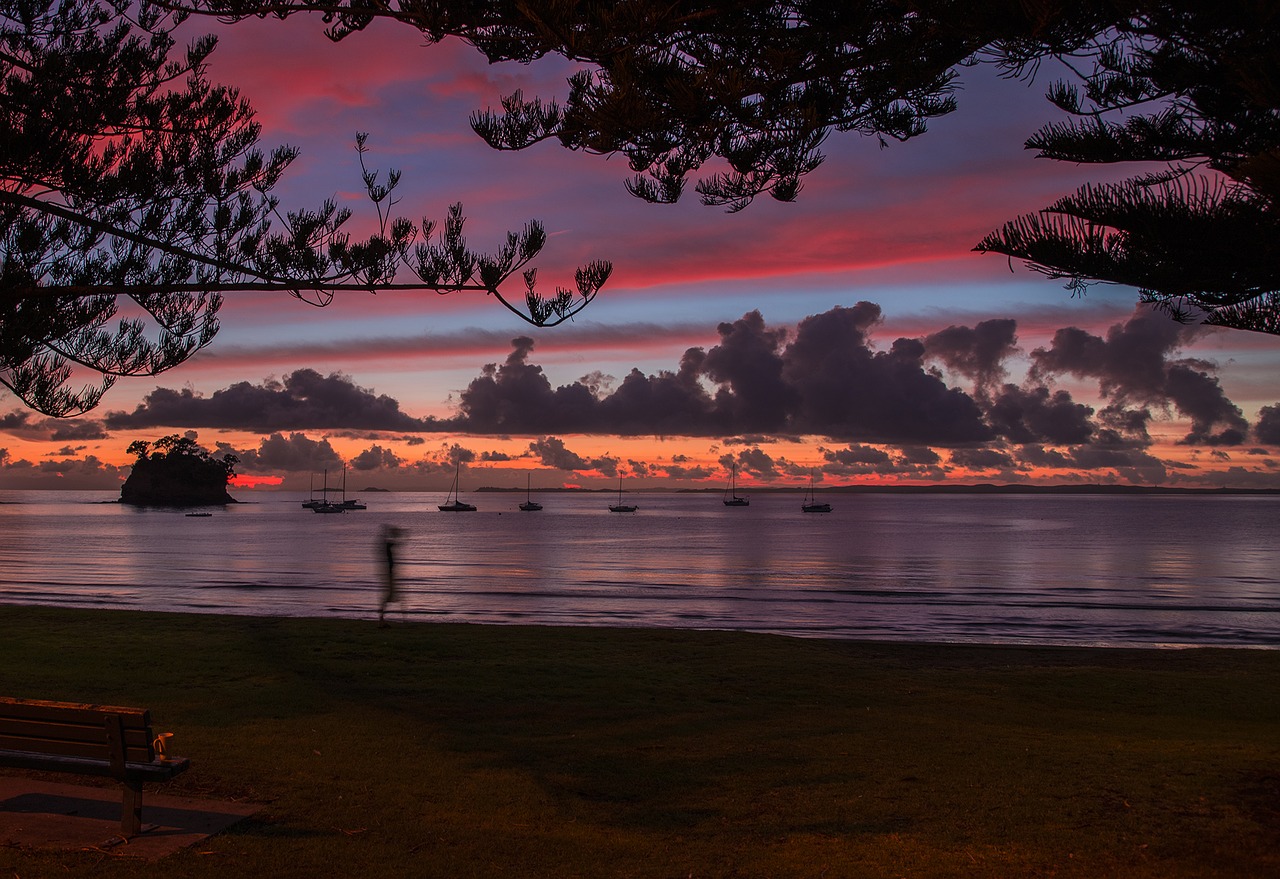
(455, 750)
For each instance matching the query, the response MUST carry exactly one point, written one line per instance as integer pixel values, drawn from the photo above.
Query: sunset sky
(852, 334)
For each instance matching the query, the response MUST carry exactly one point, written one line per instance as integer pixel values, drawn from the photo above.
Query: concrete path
(68, 817)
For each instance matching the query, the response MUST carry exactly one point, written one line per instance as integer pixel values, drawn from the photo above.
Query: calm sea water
(996, 569)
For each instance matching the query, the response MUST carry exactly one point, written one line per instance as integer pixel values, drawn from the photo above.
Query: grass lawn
(456, 751)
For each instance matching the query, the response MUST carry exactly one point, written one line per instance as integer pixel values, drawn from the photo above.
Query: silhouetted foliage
(176, 471)
(1192, 86)
(758, 85)
(131, 186)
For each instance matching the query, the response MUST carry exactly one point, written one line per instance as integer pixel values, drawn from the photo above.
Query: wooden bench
(87, 740)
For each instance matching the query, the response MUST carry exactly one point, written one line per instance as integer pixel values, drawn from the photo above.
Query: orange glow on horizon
(242, 480)
(668, 463)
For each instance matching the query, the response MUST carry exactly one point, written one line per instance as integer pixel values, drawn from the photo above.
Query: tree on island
(131, 185)
(176, 471)
(1186, 88)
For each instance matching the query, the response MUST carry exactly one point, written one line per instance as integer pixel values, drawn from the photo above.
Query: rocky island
(176, 472)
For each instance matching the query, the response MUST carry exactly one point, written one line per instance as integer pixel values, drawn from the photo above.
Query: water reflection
(957, 568)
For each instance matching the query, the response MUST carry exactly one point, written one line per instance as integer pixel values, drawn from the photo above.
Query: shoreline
(1053, 654)
(421, 618)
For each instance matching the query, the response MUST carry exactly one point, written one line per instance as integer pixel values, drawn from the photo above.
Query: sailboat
(530, 505)
(455, 505)
(352, 504)
(620, 507)
(811, 504)
(324, 505)
(312, 502)
(731, 498)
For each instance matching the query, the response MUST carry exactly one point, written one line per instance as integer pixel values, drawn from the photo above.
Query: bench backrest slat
(74, 730)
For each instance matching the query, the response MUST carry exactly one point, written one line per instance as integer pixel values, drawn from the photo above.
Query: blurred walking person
(387, 561)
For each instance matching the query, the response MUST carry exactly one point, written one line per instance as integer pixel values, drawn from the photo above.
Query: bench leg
(131, 810)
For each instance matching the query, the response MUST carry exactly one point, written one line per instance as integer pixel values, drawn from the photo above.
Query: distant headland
(936, 488)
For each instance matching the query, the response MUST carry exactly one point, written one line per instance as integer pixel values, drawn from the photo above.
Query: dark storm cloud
(1037, 415)
(1128, 423)
(1031, 413)
(753, 439)
(457, 454)
(666, 404)
(293, 453)
(977, 352)
(757, 463)
(1134, 465)
(89, 465)
(63, 430)
(920, 456)
(376, 458)
(304, 400)
(1127, 462)
(827, 380)
(919, 462)
(551, 452)
(679, 471)
(847, 391)
(1134, 364)
(375, 435)
(20, 423)
(449, 459)
(1130, 363)
(864, 457)
(432, 467)
(1199, 396)
(84, 473)
(516, 397)
(983, 459)
(748, 365)
(1267, 429)
(823, 378)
